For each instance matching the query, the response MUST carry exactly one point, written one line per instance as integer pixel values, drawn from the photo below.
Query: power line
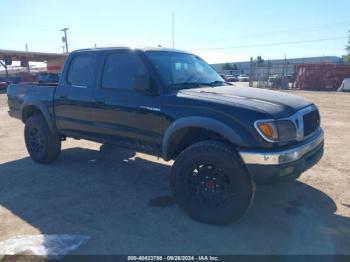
(280, 32)
(53, 49)
(270, 44)
(173, 28)
(304, 29)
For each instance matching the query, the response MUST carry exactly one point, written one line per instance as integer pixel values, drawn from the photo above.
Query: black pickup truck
(172, 104)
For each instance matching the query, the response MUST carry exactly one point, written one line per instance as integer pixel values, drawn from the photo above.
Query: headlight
(276, 130)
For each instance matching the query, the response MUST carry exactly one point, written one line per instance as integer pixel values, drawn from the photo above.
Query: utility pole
(285, 66)
(28, 66)
(285, 83)
(64, 39)
(268, 72)
(6, 72)
(251, 73)
(173, 28)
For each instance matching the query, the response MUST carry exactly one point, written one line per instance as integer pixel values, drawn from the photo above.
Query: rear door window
(82, 70)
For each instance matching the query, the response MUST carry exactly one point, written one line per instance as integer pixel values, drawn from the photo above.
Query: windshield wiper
(184, 85)
(218, 83)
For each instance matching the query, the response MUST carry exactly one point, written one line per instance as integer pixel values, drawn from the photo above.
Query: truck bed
(20, 93)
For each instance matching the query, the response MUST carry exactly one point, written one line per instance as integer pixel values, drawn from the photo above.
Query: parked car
(243, 78)
(48, 78)
(278, 81)
(231, 78)
(172, 104)
(3, 85)
(345, 86)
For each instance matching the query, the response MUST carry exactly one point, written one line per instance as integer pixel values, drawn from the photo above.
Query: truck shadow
(123, 202)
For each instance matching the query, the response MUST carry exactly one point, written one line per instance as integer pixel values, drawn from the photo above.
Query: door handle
(63, 96)
(100, 101)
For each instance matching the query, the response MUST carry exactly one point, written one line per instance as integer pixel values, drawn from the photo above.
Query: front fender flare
(202, 122)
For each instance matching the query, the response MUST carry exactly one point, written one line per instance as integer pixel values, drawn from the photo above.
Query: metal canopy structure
(30, 56)
(54, 60)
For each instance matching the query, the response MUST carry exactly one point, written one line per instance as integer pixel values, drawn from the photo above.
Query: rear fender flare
(40, 106)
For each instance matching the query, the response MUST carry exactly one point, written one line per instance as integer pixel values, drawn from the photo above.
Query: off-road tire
(36, 129)
(236, 180)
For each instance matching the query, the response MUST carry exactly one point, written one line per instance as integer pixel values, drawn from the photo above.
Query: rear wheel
(42, 144)
(209, 181)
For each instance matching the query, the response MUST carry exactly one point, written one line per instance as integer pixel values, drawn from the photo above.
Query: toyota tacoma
(172, 104)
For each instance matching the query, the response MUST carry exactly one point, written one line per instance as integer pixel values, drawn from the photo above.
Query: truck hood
(276, 104)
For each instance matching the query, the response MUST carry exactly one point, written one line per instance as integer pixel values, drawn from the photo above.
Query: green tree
(259, 61)
(346, 58)
(227, 66)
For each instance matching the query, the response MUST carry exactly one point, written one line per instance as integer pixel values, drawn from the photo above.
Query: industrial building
(277, 66)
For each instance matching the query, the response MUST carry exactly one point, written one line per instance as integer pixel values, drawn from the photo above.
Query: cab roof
(142, 49)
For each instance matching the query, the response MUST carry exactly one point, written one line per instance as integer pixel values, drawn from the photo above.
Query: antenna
(173, 28)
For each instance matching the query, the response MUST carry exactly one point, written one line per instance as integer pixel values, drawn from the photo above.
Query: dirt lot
(119, 199)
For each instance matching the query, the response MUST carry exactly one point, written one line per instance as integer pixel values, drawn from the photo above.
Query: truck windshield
(181, 70)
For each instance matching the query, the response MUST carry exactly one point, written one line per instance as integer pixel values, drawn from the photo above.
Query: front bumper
(289, 162)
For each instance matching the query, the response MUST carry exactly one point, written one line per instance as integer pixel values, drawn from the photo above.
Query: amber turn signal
(268, 130)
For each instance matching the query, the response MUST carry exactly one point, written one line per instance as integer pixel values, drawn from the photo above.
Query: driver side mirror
(142, 84)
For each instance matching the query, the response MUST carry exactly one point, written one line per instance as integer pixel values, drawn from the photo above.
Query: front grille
(311, 122)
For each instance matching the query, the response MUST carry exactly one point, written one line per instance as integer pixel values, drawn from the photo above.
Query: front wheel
(209, 181)
(42, 144)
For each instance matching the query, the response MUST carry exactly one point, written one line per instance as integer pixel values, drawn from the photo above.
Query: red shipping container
(321, 76)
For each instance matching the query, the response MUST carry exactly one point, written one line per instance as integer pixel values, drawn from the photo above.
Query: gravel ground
(120, 199)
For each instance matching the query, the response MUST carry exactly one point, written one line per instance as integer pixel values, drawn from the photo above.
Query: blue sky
(199, 24)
